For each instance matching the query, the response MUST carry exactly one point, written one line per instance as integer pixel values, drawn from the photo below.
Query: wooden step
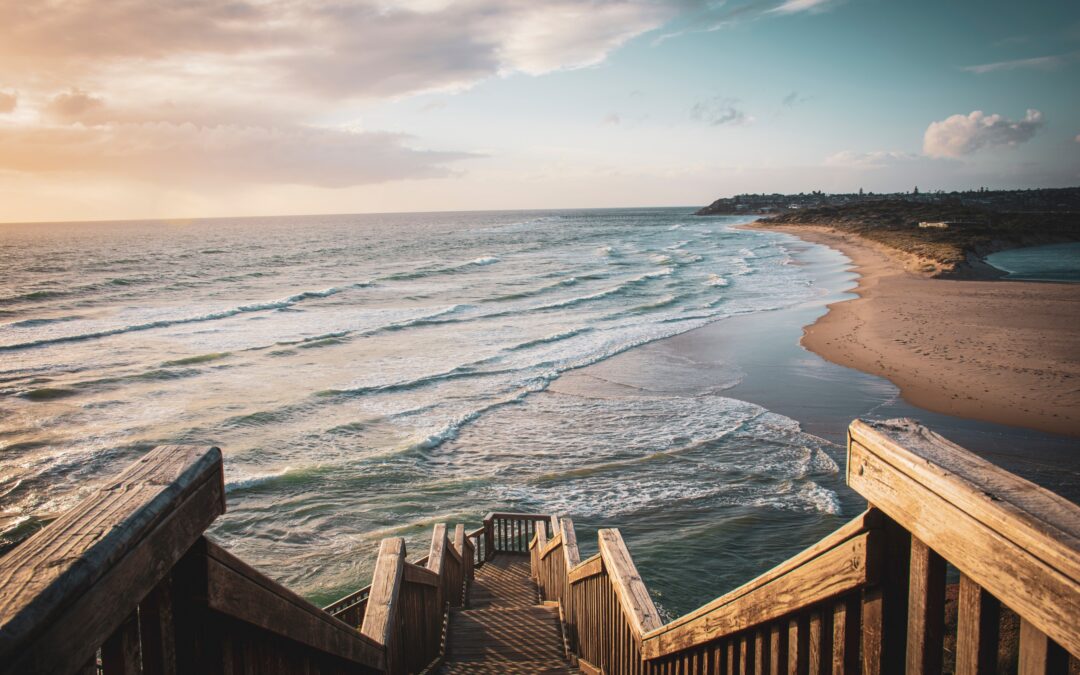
(503, 629)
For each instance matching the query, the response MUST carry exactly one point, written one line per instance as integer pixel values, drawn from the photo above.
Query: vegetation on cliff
(957, 229)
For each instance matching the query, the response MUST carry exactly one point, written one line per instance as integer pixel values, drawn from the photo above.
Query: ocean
(370, 375)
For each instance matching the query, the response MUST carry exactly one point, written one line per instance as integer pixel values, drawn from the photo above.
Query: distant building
(939, 225)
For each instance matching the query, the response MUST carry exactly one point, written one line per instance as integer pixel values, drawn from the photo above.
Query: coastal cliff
(945, 236)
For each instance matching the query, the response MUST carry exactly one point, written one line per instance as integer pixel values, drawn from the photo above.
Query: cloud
(612, 119)
(964, 134)
(1077, 139)
(358, 49)
(1037, 63)
(870, 160)
(73, 105)
(719, 111)
(794, 6)
(8, 101)
(185, 153)
(793, 99)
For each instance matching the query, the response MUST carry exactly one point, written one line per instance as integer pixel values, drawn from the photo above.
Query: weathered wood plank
(1018, 541)
(977, 629)
(589, 567)
(569, 541)
(414, 574)
(926, 610)
(846, 567)
(459, 540)
(1038, 655)
(157, 630)
(634, 598)
(1040, 521)
(238, 590)
(380, 617)
(437, 552)
(553, 544)
(58, 589)
(120, 655)
(865, 521)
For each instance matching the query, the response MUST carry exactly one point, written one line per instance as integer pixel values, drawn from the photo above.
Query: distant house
(939, 225)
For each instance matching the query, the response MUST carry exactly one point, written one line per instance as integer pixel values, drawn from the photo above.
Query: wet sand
(1005, 352)
(778, 373)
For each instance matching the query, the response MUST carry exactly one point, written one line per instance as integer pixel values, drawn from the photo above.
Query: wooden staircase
(504, 628)
(126, 583)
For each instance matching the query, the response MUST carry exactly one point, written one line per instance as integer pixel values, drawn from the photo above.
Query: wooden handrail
(437, 553)
(126, 582)
(510, 515)
(385, 584)
(847, 560)
(633, 596)
(127, 578)
(1017, 541)
(569, 541)
(552, 544)
(867, 597)
(589, 567)
(868, 520)
(238, 590)
(65, 590)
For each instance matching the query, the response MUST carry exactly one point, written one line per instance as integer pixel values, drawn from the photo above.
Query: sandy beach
(999, 351)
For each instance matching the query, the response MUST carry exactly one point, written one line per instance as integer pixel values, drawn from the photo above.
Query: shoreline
(997, 351)
(758, 358)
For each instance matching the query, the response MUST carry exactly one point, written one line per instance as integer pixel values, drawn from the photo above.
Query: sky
(115, 109)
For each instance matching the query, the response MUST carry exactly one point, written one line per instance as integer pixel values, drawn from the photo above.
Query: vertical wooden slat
(845, 642)
(120, 653)
(759, 652)
(157, 631)
(817, 657)
(926, 610)
(976, 629)
(872, 637)
(1038, 654)
(777, 649)
(798, 645)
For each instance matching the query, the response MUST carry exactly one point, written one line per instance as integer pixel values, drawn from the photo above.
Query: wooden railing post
(978, 615)
(489, 537)
(461, 546)
(926, 610)
(380, 619)
(66, 589)
(1012, 541)
(437, 560)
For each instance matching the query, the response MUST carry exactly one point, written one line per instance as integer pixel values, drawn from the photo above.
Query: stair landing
(504, 630)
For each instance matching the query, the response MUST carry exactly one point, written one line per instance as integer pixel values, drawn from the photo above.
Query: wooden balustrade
(126, 583)
(350, 608)
(869, 598)
(1015, 545)
(407, 608)
(511, 532)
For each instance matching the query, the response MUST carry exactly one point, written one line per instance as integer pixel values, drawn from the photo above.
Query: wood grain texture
(75, 581)
(846, 567)
(1018, 541)
(586, 568)
(926, 610)
(237, 590)
(379, 619)
(636, 603)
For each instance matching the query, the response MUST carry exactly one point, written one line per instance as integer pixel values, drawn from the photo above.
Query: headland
(929, 317)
